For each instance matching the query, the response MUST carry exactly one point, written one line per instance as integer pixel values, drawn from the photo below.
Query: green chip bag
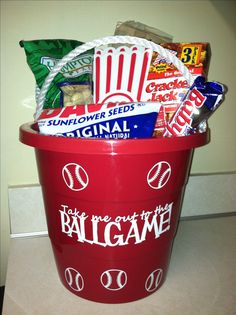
(42, 55)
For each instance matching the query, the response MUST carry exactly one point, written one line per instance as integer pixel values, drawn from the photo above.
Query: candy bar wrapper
(199, 104)
(111, 120)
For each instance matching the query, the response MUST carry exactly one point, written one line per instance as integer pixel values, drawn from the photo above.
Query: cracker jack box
(165, 83)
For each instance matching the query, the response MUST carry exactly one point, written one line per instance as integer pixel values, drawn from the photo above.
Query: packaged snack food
(74, 93)
(195, 56)
(111, 120)
(42, 56)
(139, 74)
(166, 84)
(199, 104)
(135, 28)
(165, 114)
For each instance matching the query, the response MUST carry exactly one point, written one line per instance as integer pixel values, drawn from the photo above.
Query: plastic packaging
(43, 55)
(112, 120)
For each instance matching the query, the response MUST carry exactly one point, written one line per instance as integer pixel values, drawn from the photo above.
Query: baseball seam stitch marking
(71, 181)
(119, 278)
(155, 174)
(109, 280)
(68, 276)
(163, 175)
(79, 178)
(77, 278)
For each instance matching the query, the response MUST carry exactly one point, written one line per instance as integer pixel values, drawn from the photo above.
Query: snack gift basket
(112, 206)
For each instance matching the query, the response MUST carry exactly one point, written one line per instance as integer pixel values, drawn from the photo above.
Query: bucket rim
(29, 135)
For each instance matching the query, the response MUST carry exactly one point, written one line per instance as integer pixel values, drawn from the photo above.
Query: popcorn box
(120, 74)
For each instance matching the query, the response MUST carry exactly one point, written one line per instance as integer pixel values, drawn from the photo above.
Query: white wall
(211, 21)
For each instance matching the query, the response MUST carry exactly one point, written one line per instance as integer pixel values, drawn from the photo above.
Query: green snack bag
(42, 55)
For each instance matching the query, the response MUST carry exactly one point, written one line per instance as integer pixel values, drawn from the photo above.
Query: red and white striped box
(120, 74)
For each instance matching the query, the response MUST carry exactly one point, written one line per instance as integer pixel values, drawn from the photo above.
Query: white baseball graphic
(75, 176)
(159, 175)
(74, 279)
(153, 280)
(113, 279)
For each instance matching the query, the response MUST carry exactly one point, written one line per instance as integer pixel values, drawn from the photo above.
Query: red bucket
(112, 209)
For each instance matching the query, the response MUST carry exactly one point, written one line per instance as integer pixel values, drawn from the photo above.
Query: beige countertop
(201, 278)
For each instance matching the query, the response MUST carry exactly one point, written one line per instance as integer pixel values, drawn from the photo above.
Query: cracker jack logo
(115, 231)
(74, 68)
(167, 91)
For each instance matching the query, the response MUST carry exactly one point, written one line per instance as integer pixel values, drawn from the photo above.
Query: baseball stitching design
(159, 175)
(113, 279)
(74, 279)
(75, 176)
(153, 280)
